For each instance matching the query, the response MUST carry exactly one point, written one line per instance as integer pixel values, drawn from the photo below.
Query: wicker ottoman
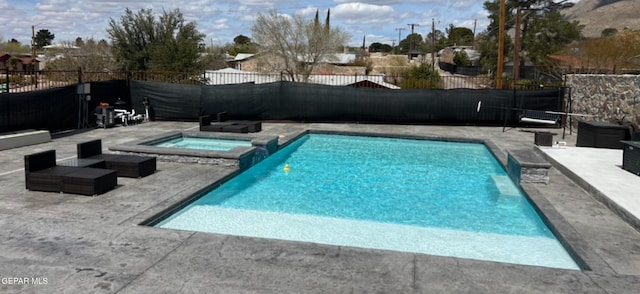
(48, 180)
(235, 128)
(132, 166)
(254, 126)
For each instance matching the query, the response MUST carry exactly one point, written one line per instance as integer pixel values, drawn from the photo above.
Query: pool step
(505, 185)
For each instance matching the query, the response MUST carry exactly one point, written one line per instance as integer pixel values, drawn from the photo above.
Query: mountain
(597, 15)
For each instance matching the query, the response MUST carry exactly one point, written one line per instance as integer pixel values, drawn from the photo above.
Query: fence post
(80, 75)
(7, 79)
(127, 73)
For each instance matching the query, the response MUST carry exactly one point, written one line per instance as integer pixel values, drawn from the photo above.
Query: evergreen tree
(543, 31)
(43, 38)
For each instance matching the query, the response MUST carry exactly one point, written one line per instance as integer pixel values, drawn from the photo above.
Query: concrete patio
(63, 243)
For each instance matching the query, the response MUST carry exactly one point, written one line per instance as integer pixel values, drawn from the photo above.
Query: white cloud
(362, 13)
(225, 19)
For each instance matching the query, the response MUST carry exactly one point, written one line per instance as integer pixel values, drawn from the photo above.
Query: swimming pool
(433, 197)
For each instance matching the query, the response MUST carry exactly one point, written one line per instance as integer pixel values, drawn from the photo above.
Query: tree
(461, 58)
(617, 52)
(243, 44)
(412, 41)
(459, 36)
(298, 44)
(242, 40)
(545, 36)
(142, 42)
(543, 30)
(43, 38)
(379, 47)
(14, 46)
(91, 56)
(216, 56)
(79, 42)
(437, 37)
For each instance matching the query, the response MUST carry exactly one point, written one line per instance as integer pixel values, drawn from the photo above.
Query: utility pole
(412, 25)
(33, 53)
(399, 32)
(433, 43)
(500, 45)
(33, 45)
(475, 24)
(516, 53)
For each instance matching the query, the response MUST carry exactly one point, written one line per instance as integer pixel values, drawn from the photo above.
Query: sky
(382, 21)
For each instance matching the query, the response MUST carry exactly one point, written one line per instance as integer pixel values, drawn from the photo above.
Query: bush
(461, 58)
(423, 76)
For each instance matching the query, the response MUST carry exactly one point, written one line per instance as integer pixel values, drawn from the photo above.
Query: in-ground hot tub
(226, 149)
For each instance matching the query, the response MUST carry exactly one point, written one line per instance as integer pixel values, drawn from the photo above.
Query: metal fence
(21, 81)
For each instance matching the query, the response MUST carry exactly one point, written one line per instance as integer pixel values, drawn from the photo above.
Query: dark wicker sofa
(132, 166)
(206, 125)
(43, 174)
(224, 125)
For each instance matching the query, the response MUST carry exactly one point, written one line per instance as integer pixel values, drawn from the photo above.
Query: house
(529, 70)
(4, 60)
(228, 76)
(244, 61)
(337, 63)
(18, 62)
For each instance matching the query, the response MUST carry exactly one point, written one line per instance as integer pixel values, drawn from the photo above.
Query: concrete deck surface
(64, 243)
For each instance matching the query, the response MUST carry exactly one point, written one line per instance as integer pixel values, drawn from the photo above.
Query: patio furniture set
(92, 173)
(223, 125)
(615, 136)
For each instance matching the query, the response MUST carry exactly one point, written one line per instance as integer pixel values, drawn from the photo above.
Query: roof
(27, 60)
(242, 56)
(346, 80)
(335, 58)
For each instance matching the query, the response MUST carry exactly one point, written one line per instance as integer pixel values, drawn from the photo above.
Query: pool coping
(242, 154)
(584, 256)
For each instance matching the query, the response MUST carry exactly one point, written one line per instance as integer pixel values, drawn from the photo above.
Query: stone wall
(607, 97)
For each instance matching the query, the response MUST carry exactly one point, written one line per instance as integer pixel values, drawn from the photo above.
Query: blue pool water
(203, 143)
(434, 197)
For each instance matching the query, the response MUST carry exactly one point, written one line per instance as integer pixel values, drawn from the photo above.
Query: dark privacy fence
(319, 103)
(54, 109)
(58, 109)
